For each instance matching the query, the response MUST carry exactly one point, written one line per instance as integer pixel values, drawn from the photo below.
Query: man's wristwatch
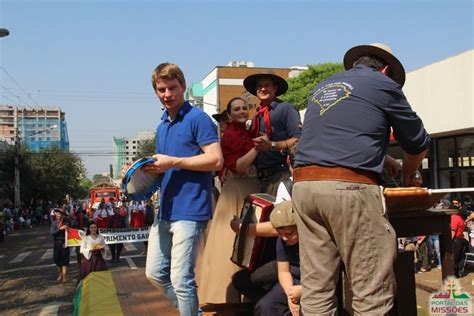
(272, 146)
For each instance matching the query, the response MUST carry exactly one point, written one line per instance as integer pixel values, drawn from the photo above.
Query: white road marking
(53, 265)
(131, 263)
(24, 233)
(47, 255)
(28, 268)
(21, 257)
(50, 310)
(129, 246)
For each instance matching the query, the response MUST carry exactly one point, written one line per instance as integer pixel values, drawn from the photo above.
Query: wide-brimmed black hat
(220, 116)
(250, 83)
(382, 51)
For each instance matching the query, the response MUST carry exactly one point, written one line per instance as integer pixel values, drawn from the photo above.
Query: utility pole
(17, 169)
(17, 161)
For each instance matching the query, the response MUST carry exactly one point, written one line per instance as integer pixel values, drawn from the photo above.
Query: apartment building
(37, 127)
(125, 149)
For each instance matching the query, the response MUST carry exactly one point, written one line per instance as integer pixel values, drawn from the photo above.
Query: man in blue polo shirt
(187, 153)
(275, 128)
(340, 156)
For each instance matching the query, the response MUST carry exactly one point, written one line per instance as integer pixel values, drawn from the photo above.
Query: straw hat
(283, 215)
(250, 83)
(382, 51)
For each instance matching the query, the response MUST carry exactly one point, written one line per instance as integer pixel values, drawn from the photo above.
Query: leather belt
(264, 173)
(314, 173)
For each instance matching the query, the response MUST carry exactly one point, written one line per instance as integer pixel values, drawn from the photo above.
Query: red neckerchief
(262, 110)
(81, 221)
(115, 221)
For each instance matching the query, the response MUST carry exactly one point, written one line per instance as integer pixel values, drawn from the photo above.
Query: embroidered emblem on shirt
(330, 95)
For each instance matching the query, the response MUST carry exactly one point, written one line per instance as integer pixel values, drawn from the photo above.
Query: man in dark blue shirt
(339, 159)
(188, 151)
(276, 127)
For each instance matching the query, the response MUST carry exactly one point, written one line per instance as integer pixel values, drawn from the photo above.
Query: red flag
(73, 237)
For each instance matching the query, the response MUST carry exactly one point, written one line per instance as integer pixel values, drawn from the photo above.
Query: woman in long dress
(216, 269)
(60, 253)
(93, 252)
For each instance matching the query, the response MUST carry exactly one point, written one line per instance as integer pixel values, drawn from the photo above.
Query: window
(456, 164)
(446, 153)
(465, 151)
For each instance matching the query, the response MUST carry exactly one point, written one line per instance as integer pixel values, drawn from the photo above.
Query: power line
(14, 95)
(27, 94)
(8, 98)
(95, 91)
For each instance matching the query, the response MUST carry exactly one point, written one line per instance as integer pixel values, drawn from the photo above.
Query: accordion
(251, 251)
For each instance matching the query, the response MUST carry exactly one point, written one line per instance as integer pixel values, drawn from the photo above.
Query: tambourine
(137, 185)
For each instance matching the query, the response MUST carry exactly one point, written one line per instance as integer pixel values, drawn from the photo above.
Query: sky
(94, 59)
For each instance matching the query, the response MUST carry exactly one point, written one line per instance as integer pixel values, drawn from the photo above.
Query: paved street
(28, 275)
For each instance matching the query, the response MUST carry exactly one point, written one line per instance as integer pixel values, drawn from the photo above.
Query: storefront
(442, 95)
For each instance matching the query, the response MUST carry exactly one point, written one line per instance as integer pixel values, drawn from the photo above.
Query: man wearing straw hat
(340, 156)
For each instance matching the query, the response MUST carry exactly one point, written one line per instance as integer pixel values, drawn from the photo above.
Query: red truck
(104, 191)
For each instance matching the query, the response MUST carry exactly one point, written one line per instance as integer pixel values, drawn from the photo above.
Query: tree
(84, 187)
(299, 88)
(7, 166)
(146, 148)
(98, 178)
(52, 174)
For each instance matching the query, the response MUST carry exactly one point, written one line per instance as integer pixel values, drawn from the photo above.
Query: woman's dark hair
(229, 104)
(88, 232)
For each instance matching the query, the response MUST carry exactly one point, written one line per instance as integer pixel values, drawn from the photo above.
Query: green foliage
(51, 174)
(146, 148)
(7, 165)
(84, 187)
(98, 178)
(299, 88)
(48, 175)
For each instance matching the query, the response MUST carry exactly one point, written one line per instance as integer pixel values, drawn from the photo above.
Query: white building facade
(442, 94)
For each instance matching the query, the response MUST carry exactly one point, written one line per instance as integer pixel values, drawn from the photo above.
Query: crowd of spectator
(427, 248)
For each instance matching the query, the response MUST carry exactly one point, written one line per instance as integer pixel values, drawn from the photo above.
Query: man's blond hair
(168, 71)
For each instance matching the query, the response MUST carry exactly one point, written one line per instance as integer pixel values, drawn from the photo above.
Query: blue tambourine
(137, 185)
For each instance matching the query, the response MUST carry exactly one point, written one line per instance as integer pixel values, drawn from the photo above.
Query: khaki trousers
(343, 222)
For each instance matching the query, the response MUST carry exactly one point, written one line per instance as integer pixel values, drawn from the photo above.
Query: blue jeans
(171, 257)
(434, 242)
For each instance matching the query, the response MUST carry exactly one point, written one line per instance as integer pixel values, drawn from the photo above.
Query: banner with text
(116, 236)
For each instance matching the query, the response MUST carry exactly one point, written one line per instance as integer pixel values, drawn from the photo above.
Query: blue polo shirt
(185, 194)
(286, 123)
(348, 121)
